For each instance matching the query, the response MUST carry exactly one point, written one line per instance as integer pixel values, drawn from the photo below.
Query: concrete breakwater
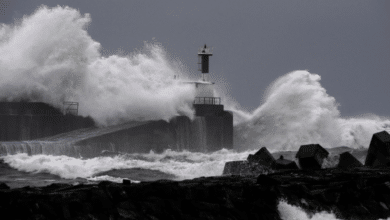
(22, 121)
(313, 157)
(202, 134)
(39, 128)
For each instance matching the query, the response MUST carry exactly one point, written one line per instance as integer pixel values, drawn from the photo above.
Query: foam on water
(290, 212)
(108, 178)
(184, 165)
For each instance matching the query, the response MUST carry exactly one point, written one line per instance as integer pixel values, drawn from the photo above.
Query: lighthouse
(206, 103)
(203, 61)
(211, 128)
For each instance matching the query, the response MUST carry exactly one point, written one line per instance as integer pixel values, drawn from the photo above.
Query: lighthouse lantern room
(203, 61)
(204, 88)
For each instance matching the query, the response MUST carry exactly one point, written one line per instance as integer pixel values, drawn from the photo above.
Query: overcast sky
(346, 42)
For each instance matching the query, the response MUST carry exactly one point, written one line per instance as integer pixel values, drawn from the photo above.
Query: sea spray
(297, 110)
(109, 178)
(290, 212)
(50, 57)
(183, 165)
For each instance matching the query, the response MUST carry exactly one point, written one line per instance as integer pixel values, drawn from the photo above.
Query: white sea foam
(184, 165)
(297, 110)
(290, 212)
(50, 57)
(331, 161)
(109, 178)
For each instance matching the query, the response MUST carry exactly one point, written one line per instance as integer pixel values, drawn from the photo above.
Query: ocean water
(20, 170)
(290, 212)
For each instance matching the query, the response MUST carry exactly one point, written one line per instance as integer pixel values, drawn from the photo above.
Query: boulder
(4, 186)
(126, 182)
(348, 161)
(283, 164)
(311, 156)
(263, 157)
(244, 168)
(379, 151)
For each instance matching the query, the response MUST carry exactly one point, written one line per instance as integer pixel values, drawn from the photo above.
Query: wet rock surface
(244, 168)
(359, 193)
(283, 164)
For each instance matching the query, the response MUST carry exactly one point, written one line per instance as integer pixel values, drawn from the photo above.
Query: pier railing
(71, 108)
(208, 100)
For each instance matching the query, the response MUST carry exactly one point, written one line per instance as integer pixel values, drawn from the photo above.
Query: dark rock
(361, 194)
(126, 182)
(311, 156)
(263, 157)
(4, 186)
(265, 180)
(244, 168)
(105, 183)
(283, 164)
(348, 161)
(379, 151)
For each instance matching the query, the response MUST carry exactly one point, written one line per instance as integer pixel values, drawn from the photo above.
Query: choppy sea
(21, 170)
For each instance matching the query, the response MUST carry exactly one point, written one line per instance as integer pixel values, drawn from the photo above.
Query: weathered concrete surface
(30, 127)
(203, 134)
(34, 128)
(379, 150)
(348, 161)
(311, 156)
(262, 156)
(261, 162)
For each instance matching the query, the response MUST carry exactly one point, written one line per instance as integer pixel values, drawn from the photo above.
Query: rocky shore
(359, 193)
(350, 190)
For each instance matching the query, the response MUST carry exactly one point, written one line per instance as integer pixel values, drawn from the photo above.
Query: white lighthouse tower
(204, 88)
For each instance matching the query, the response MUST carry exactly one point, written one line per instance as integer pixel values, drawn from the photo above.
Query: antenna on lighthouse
(203, 61)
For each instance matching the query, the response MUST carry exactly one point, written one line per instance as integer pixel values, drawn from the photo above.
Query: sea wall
(154, 135)
(30, 127)
(40, 147)
(21, 121)
(202, 134)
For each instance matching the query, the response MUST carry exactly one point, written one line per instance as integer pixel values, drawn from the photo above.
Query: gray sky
(346, 42)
